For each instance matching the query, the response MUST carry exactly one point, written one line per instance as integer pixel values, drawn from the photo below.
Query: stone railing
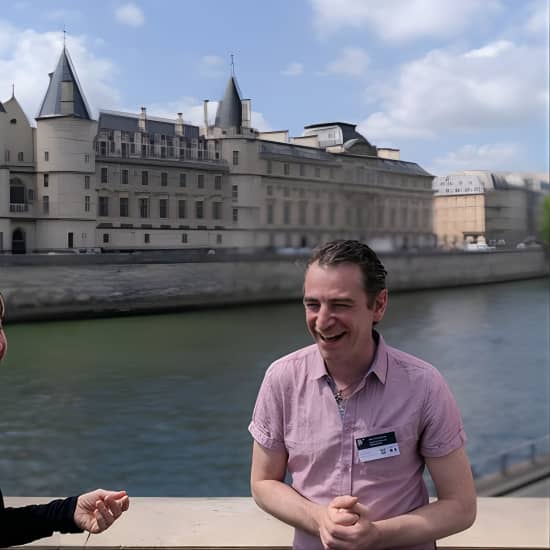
(236, 523)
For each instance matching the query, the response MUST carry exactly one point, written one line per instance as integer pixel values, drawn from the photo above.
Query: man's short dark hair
(358, 253)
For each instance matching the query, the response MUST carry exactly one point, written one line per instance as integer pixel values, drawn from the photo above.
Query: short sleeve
(266, 426)
(442, 427)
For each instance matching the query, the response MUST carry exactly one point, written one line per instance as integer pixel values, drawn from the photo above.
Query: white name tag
(375, 447)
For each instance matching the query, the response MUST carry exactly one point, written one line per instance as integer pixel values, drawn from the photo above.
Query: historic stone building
(495, 208)
(130, 181)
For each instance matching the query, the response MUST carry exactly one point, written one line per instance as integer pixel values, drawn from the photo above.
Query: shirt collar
(378, 367)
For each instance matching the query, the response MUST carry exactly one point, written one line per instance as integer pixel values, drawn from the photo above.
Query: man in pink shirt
(355, 421)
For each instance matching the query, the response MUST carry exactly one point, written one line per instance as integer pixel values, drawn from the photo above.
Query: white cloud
(212, 66)
(293, 69)
(130, 14)
(352, 62)
(539, 18)
(397, 20)
(193, 112)
(501, 85)
(490, 156)
(26, 58)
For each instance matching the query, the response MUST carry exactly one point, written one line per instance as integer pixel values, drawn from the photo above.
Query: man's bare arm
(282, 501)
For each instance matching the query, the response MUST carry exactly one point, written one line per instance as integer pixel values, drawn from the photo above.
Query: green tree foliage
(545, 230)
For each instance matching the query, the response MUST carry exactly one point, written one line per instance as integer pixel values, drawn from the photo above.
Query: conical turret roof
(51, 105)
(230, 110)
(2, 110)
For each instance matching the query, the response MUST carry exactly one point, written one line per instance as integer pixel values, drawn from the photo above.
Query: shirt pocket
(392, 467)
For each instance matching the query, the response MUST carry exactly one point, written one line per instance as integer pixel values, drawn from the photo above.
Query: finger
(105, 514)
(124, 503)
(345, 501)
(342, 516)
(114, 506)
(360, 509)
(101, 524)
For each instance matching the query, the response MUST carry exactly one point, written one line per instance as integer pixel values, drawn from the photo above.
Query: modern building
(133, 181)
(496, 208)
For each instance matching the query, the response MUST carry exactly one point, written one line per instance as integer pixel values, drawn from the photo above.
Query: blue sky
(454, 84)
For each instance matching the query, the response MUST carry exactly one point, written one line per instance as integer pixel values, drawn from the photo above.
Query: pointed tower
(229, 114)
(65, 163)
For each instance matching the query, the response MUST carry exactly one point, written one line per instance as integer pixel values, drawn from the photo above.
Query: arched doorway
(18, 245)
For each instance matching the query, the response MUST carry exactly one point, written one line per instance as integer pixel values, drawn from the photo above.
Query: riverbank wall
(60, 287)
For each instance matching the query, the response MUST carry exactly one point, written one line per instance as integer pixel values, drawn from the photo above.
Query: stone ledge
(237, 523)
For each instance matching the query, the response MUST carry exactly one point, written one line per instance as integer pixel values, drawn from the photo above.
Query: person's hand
(96, 511)
(347, 525)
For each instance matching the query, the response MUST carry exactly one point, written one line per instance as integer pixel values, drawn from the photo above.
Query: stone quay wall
(55, 287)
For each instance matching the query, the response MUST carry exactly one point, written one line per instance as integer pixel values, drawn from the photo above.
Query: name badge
(375, 447)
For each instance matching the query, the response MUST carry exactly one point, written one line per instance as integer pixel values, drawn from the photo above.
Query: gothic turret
(64, 95)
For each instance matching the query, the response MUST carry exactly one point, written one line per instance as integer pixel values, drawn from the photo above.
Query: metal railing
(19, 207)
(530, 453)
(161, 152)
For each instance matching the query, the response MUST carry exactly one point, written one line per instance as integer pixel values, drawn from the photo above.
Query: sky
(454, 85)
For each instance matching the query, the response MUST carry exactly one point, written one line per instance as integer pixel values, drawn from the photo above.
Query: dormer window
(13, 121)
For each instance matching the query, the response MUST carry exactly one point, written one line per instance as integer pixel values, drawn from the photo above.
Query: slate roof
(230, 111)
(64, 72)
(348, 130)
(2, 110)
(128, 122)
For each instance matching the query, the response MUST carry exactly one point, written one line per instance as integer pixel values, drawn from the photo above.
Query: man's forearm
(428, 523)
(283, 502)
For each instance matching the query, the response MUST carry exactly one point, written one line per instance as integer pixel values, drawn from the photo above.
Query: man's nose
(324, 317)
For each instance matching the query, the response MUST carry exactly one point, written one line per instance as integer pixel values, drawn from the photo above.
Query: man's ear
(380, 304)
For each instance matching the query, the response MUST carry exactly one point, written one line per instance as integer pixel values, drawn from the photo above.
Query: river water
(159, 405)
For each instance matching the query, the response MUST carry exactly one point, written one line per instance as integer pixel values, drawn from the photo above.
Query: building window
(31, 195)
(184, 238)
(235, 215)
(143, 207)
(199, 209)
(270, 216)
(286, 192)
(217, 210)
(124, 177)
(269, 167)
(302, 170)
(20, 156)
(164, 179)
(317, 214)
(332, 213)
(146, 238)
(200, 181)
(105, 238)
(45, 204)
(86, 182)
(7, 155)
(86, 157)
(331, 173)
(183, 179)
(302, 211)
(219, 238)
(144, 177)
(123, 204)
(163, 208)
(317, 171)
(182, 208)
(286, 212)
(86, 203)
(235, 158)
(286, 169)
(269, 190)
(46, 180)
(235, 192)
(46, 156)
(217, 183)
(103, 206)
(104, 175)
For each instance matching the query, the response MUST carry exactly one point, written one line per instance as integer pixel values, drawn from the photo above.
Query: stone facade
(131, 181)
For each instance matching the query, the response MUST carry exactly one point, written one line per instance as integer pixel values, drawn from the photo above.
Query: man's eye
(311, 306)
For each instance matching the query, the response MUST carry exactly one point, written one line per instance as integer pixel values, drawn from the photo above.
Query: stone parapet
(236, 523)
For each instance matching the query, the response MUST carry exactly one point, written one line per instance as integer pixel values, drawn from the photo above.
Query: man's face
(337, 312)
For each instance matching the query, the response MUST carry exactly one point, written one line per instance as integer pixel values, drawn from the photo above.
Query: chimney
(179, 125)
(205, 109)
(245, 123)
(142, 123)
